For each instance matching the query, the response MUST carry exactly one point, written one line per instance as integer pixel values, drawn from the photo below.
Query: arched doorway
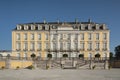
(81, 55)
(49, 56)
(33, 56)
(65, 55)
(97, 55)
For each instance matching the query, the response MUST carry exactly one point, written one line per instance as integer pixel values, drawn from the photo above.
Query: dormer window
(54, 27)
(97, 26)
(25, 27)
(39, 27)
(19, 27)
(104, 27)
(32, 27)
(89, 27)
(82, 27)
(75, 27)
(46, 27)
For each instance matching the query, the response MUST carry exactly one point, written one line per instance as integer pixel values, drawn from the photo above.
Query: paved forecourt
(59, 74)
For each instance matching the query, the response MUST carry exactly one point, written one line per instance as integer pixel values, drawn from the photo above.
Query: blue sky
(13, 12)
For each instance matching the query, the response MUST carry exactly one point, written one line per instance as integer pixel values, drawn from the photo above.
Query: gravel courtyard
(59, 74)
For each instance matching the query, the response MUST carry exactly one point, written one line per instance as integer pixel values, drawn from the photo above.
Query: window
(54, 46)
(18, 27)
(104, 45)
(97, 36)
(75, 46)
(39, 46)
(68, 46)
(18, 45)
(32, 36)
(82, 36)
(82, 46)
(25, 36)
(25, 27)
(89, 36)
(54, 36)
(69, 36)
(39, 27)
(61, 46)
(46, 36)
(18, 55)
(97, 45)
(32, 46)
(25, 55)
(89, 46)
(18, 36)
(76, 36)
(25, 46)
(39, 36)
(104, 36)
(47, 47)
(32, 27)
(61, 36)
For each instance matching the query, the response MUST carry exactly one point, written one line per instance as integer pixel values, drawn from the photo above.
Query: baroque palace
(61, 39)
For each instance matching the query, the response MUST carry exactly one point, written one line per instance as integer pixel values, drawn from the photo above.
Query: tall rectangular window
(76, 36)
(32, 46)
(82, 36)
(61, 46)
(61, 36)
(54, 36)
(18, 46)
(89, 36)
(39, 36)
(47, 46)
(54, 46)
(104, 36)
(89, 46)
(69, 36)
(97, 36)
(46, 36)
(82, 46)
(39, 46)
(18, 36)
(68, 46)
(32, 36)
(25, 36)
(75, 46)
(105, 45)
(97, 45)
(25, 46)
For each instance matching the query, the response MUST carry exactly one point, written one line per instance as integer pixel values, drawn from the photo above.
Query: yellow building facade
(58, 38)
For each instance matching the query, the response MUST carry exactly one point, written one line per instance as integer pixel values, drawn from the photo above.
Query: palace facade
(61, 39)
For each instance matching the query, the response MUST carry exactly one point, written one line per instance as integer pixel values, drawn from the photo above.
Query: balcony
(25, 49)
(89, 49)
(18, 49)
(104, 49)
(82, 49)
(32, 49)
(97, 49)
(39, 49)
